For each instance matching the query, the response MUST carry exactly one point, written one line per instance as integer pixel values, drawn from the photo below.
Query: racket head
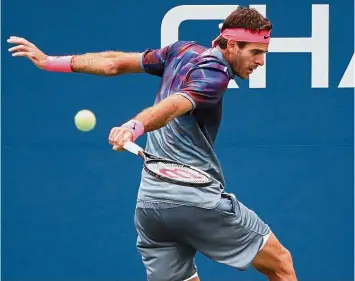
(176, 172)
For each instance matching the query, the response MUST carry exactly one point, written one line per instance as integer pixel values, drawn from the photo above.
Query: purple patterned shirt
(201, 75)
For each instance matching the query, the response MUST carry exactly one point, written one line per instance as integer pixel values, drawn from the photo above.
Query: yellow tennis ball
(85, 120)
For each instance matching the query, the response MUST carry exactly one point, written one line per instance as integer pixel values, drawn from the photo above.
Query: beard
(239, 67)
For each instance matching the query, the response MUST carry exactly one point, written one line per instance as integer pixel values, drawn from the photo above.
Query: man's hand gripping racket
(169, 170)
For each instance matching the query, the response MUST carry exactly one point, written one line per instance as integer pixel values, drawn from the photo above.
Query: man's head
(248, 35)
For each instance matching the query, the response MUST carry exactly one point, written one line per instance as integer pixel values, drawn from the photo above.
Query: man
(173, 222)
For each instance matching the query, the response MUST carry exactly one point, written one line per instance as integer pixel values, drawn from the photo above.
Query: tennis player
(173, 222)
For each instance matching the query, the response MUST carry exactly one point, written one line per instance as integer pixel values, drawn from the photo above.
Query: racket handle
(132, 147)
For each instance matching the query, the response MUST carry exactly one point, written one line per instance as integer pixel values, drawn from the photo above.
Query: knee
(275, 261)
(284, 262)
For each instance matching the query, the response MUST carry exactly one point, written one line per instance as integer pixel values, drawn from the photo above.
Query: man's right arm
(103, 63)
(107, 63)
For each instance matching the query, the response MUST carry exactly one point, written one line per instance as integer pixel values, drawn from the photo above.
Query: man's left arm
(150, 119)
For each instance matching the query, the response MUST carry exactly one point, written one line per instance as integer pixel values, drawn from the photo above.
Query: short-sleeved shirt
(201, 75)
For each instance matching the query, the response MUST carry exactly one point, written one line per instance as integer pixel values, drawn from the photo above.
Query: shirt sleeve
(153, 60)
(205, 86)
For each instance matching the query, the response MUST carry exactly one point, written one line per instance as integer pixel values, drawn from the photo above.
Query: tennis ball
(85, 120)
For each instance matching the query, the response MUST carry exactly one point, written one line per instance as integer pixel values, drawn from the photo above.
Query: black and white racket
(169, 170)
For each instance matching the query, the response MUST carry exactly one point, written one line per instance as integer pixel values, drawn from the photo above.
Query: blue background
(68, 199)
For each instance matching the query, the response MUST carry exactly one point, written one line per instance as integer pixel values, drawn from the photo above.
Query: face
(244, 61)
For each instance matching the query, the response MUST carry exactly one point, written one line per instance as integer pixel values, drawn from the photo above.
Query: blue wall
(68, 199)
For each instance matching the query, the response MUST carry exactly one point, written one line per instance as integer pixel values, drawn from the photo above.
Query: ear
(232, 44)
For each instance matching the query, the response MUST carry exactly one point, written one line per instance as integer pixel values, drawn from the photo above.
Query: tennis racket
(168, 170)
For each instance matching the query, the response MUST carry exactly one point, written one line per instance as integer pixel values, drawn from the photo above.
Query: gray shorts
(169, 236)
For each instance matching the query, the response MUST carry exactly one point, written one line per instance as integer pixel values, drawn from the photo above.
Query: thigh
(163, 257)
(230, 234)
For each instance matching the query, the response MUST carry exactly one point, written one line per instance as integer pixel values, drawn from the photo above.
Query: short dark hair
(244, 17)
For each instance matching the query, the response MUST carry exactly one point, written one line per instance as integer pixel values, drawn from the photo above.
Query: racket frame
(149, 158)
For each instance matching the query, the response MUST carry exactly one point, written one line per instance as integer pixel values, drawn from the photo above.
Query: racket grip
(132, 147)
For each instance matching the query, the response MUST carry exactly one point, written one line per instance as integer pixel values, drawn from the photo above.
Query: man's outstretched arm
(106, 63)
(103, 63)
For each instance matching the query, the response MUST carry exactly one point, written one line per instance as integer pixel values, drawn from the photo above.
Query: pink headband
(245, 35)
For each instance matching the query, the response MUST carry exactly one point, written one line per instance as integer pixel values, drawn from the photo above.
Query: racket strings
(177, 171)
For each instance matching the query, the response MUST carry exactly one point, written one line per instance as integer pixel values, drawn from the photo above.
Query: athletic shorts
(169, 236)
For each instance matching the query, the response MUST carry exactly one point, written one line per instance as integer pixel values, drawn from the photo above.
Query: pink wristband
(59, 64)
(136, 127)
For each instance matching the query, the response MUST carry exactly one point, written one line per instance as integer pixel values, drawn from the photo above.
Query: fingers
(115, 147)
(19, 48)
(25, 48)
(21, 41)
(115, 133)
(119, 136)
(23, 45)
(31, 56)
(23, 54)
